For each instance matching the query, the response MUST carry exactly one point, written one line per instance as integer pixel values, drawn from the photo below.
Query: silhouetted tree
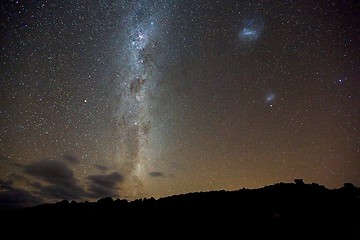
(299, 182)
(105, 202)
(349, 186)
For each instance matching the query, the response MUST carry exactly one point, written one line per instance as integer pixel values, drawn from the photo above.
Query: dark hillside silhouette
(284, 210)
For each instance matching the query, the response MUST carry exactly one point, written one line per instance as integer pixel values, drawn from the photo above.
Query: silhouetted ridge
(269, 211)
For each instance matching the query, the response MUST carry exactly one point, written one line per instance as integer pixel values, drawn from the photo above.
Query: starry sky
(145, 98)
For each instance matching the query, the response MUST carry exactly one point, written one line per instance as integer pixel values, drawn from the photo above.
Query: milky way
(137, 86)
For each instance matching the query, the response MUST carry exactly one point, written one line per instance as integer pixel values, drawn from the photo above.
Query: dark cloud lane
(54, 180)
(52, 171)
(104, 185)
(156, 174)
(60, 181)
(71, 159)
(13, 198)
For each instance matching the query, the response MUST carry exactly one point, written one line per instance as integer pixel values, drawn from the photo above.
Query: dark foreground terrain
(284, 210)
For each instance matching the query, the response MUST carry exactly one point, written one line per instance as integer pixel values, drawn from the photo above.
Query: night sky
(145, 98)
